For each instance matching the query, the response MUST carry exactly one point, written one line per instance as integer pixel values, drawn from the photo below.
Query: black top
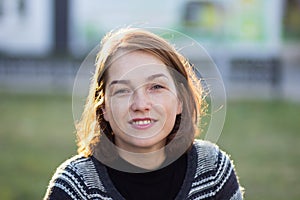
(163, 183)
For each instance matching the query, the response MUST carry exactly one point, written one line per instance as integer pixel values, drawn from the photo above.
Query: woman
(136, 134)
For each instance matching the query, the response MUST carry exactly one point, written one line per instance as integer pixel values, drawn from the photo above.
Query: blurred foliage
(291, 20)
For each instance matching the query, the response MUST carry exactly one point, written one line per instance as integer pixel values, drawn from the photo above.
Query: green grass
(37, 134)
(263, 139)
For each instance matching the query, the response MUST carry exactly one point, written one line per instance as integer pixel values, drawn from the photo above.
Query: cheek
(169, 103)
(115, 108)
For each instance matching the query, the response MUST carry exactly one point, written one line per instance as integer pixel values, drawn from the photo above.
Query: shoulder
(76, 177)
(210, 155)
(214, 173)
(75, 168)
(76, 163)
(206, 148)
(207, 155)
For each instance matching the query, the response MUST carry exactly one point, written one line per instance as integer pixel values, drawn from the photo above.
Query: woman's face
(141, 102)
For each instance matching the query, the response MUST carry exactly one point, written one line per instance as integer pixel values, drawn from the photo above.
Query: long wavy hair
(95, 134)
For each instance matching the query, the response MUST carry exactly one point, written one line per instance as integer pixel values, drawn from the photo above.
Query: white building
(26, 27)
(236, 33)
(29, 27)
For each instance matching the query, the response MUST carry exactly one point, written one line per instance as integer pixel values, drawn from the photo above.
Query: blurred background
(254, 43)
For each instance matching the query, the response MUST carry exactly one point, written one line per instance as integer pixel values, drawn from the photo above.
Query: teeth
(143, 122)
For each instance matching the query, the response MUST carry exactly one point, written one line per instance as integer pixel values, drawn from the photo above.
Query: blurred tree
(291, 20)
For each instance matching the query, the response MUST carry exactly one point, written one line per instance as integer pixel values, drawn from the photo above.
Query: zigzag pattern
(78, 177)
(214, 171)
(214, 177)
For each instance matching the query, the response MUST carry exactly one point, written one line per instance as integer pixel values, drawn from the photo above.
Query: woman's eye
(121, 91)
(157, 86)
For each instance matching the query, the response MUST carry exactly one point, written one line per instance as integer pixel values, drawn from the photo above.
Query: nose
(140, 100)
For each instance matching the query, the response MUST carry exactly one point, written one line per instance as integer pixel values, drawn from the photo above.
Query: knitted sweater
(210, 175)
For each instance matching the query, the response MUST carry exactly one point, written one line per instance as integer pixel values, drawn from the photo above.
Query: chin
(143, 144)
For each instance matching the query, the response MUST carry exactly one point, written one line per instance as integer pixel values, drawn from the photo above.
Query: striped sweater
(210, 175)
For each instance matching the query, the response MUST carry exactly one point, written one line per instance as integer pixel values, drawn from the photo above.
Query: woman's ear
(179, 107)
(179, 99)
(105, 115)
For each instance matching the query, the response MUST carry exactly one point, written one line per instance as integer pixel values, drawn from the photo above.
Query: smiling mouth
(142, 122)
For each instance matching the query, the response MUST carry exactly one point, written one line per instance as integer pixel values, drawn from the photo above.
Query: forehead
(136, 65)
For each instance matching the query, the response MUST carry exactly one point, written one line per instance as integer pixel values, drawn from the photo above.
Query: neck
(148, 161)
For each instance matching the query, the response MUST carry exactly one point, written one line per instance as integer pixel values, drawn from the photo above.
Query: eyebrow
(154, 76)
(126, 82)
(119, 82)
